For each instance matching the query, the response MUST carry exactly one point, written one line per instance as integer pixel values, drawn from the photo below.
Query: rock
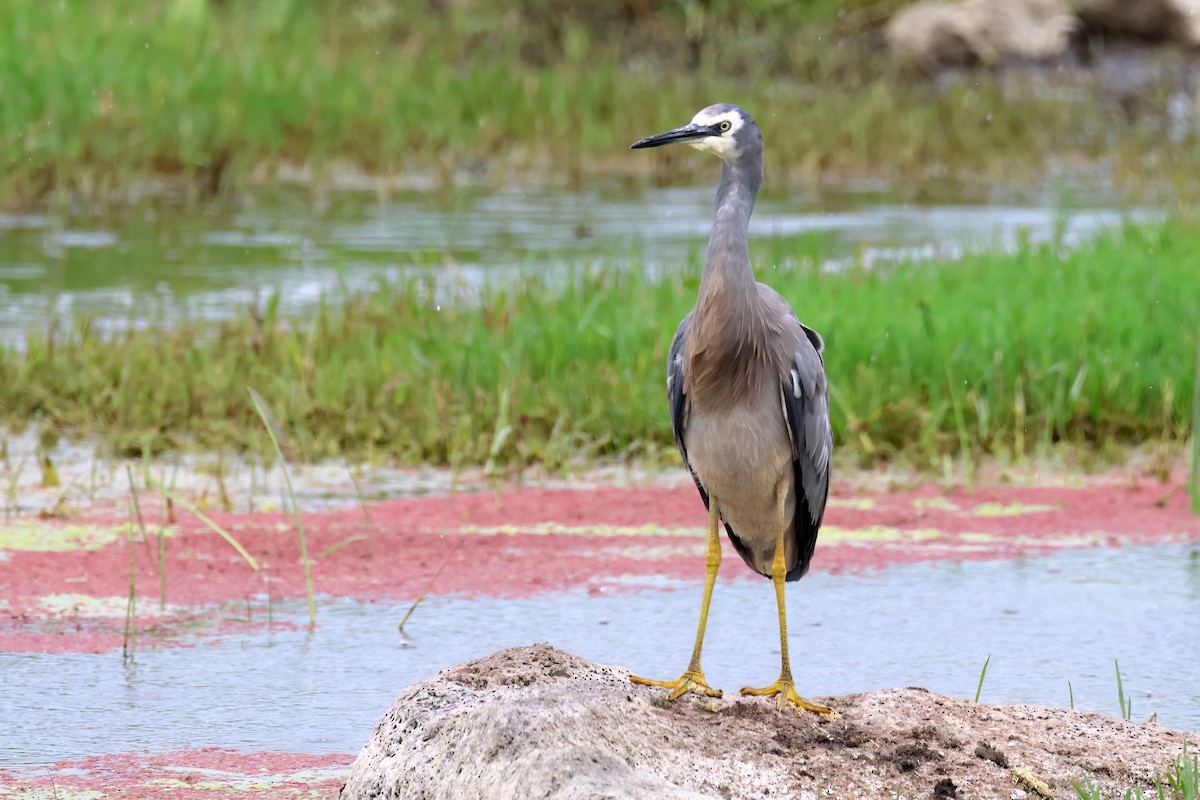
(955, 34)
(539, 722)
(1162, 20)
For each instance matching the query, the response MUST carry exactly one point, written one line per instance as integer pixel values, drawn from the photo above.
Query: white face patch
(722, 146)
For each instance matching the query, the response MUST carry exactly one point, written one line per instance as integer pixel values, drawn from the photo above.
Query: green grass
(1180, 782)
(982, 675)
(1093, 348)
(94, 100)
(1184, 776)
(1194, 479)
(1126, 705)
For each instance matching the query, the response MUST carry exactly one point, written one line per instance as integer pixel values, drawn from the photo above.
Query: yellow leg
(692, 679)
(784, 689)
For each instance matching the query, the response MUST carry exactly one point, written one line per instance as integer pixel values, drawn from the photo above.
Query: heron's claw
(785, 692)
(690, 681)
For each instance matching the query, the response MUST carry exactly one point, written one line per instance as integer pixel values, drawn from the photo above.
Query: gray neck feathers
(729, 332)
(728, 278)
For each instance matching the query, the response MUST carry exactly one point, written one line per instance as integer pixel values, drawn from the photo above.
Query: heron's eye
(724, 126)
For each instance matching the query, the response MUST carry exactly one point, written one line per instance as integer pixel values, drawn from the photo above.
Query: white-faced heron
(749, 399)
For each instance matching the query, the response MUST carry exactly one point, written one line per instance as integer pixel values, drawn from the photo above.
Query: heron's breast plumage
(742, 456)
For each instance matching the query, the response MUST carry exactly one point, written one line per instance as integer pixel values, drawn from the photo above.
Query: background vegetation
(220, 92)
(1000, 353)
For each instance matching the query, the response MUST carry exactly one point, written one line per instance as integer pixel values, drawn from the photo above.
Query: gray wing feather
(806, 403)
(678, 402)
(676, 399)
(812, 436)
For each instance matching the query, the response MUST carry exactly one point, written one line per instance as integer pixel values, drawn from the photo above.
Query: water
(1043, 621)
(158, 263)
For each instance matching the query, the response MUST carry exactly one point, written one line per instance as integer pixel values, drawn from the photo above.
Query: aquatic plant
(260, 408)
(208, 522)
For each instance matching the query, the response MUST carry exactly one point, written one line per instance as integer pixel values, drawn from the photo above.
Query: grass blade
(162, 567)
(424, 591)
(1086, 790)
(333, 548)
(10, 496)
(1126, 706)
(129, 638)
(198, 514)
(1184, 777)
(137, 508)
(362, 504)
(261, 408)
(1194, 479)
(982, 673)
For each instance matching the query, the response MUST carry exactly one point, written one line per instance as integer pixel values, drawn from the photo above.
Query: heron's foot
(690, 681)
(785, 693)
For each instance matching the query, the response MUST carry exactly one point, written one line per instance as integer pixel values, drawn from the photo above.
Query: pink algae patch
(216, 773)
(527, 541)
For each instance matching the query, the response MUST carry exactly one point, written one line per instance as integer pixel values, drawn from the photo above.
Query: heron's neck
(727, 285)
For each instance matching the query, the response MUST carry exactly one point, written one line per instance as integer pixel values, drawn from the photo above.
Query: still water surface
(1043, 621)
(160, 263)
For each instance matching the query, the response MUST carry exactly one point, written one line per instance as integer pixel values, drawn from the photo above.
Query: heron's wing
(677, 399)
(805, 392)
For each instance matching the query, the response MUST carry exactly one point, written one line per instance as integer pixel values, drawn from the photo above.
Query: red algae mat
(210, 773)
(65, 583)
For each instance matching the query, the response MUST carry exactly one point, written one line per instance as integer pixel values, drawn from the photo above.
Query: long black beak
(688, 133)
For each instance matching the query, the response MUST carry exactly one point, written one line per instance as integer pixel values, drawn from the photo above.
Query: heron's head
(723, 129)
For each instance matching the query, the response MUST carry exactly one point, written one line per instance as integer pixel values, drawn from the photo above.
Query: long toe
(785, 694)
(690, 681)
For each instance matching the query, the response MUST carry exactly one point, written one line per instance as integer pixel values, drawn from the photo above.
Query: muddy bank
(537, 721)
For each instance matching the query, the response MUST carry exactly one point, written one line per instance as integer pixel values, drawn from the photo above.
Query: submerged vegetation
(999, 353)
(95, 100)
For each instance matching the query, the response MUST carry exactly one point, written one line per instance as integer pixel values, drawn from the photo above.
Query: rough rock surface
(1164, 20)
(537, 722)
(961, 33)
